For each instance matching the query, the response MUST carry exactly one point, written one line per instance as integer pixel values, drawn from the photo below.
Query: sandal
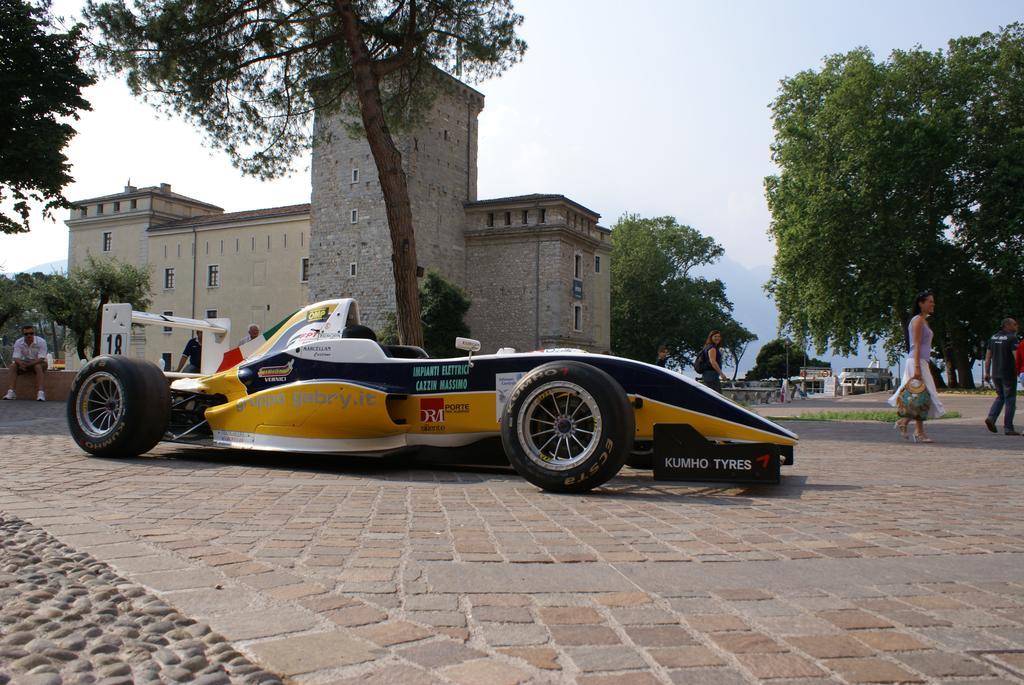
(901, 426)
(921, 437)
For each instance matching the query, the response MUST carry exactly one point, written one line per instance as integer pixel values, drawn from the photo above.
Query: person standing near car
(192, 354)
(251, 334)
(1001, 370)
(662, 359)
(709, 362)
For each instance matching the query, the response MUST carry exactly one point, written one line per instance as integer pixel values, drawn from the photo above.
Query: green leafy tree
(108, 280)
(874, 196)
(777, 357)
(444, 306)
(735, 340)
(67, 302)
(40, 88)
(655, 299)
(986, 82)
(76, 301)
(253, 74)
(12, 301)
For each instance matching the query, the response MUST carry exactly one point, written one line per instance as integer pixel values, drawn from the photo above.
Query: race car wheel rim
(559, 425)
(100, 405)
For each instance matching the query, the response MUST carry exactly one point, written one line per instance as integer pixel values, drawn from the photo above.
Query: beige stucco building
(250, 267)
(536, 267)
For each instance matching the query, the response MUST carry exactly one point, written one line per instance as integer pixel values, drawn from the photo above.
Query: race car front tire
(567, 427)
(118, 407)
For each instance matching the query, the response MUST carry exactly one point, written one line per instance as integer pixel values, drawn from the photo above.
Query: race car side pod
(116, 329)
(682, 453)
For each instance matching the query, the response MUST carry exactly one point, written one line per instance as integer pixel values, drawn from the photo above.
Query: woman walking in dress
(919, 333)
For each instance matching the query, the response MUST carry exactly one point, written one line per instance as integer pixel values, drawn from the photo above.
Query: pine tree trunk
(393, 182)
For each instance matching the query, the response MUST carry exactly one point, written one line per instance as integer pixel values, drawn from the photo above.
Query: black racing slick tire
(567, 427)
(119, 407)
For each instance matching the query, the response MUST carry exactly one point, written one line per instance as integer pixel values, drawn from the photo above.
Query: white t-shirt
(30, 353)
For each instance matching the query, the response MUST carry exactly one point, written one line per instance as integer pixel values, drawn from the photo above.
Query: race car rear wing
(116, 329)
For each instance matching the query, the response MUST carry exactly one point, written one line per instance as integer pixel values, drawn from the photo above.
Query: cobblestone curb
(67, 618)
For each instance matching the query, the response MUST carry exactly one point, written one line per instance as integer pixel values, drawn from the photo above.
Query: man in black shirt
(1001, 369)
(192, 354)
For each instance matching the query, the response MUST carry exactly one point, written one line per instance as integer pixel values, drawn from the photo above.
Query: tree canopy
(444, 306)
(252, 75)
(655, 299)
(41, 86)
(75, 301)
(780, 358)
(895, 178)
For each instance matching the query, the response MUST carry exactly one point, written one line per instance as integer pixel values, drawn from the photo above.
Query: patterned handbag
(914, 400)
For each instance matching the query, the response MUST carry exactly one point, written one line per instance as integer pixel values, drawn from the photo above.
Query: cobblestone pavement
(874, 561)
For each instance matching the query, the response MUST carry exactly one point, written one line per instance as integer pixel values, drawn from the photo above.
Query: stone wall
(439, 158)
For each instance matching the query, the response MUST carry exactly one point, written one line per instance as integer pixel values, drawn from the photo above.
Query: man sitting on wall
(29, 357)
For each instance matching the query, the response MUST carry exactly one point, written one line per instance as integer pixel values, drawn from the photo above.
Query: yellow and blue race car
(320, 382)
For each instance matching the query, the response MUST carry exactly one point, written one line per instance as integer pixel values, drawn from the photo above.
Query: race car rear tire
(118, 407)
(567, 427)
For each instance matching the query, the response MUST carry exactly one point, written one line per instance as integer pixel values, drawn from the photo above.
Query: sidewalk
(972, 408)
(874, 561)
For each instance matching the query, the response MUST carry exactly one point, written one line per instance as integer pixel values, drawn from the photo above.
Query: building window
(490, 219)
(236, 244)
(108, 238)
(577, 268)
(207, 247)
(213, 276)
(304, 270)
(165, 358)
(543, 216)
(168, 329)
(134, 204)
(165, 252)
(268, 243)
(252, 241)
(352, 269)
(211, 313)
(597, 264)
(526, 217)
(222, 247)
(99, 208)
(117, 206)
(508, 218)
(355, 175)
(169, 278)
(286, 241)
(354, 216)
(83, 212)
(577, 317)
(302, 239)
(179, 250)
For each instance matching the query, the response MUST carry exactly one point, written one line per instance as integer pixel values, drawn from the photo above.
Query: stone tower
(350, 246)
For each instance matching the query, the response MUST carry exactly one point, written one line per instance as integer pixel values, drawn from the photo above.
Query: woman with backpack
(708, 363)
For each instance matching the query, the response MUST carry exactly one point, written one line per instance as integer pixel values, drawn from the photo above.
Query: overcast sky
(658, 109)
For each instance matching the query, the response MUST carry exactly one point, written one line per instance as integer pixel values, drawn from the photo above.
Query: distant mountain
(58, 267)
(756, 311)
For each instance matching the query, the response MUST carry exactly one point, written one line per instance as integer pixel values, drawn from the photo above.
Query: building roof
(136, 192)
(534, 197)
(232, 217)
